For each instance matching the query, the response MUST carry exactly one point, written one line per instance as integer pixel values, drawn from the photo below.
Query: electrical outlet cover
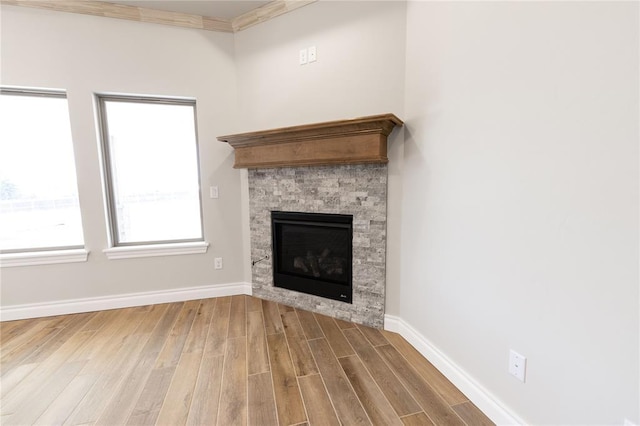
(517, 365)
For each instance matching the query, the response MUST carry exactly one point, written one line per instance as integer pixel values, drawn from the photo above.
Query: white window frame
(125, 250)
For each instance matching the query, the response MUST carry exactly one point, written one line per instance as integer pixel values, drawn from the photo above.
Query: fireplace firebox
(312, 253)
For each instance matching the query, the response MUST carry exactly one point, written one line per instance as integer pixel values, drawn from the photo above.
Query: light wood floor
(226, 361)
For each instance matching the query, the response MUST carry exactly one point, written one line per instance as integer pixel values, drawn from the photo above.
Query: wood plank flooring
(234, 360)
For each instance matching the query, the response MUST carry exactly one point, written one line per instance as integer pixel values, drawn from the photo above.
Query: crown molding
(155, 16)
(267, 12)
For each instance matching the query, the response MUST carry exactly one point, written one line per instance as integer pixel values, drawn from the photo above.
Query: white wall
(85, 54)
(359, 72)
(520, 208)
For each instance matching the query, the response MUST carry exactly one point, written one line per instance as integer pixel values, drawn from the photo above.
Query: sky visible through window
(38, 189)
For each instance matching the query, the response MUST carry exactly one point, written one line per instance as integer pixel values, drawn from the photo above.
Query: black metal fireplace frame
(309, 285)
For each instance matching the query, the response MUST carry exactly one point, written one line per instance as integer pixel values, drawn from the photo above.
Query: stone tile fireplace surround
(359, 190)
(335, 167)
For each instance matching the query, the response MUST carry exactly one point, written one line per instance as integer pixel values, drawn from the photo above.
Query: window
(39, 207)
(151, 170)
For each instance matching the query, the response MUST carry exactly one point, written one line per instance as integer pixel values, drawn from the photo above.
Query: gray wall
(85, 54)
(520, 208)
(359, 72)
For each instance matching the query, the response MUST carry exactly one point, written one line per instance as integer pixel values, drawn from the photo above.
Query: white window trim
(151, 250)
(32, 258)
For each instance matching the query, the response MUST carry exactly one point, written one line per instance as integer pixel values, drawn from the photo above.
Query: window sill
(152, 250)
(8, 260)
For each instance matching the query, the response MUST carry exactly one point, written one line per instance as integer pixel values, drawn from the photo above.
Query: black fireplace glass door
(313, 253)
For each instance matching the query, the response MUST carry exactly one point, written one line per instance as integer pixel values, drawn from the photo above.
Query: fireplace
(336, 168)
(312, 253)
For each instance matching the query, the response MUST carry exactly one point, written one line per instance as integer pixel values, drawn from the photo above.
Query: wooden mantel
(357, 141)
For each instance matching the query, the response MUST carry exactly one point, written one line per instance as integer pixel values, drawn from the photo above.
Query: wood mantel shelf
(357, 141)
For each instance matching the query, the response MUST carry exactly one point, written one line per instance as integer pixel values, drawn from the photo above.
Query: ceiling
(211, 15)
(222, 9)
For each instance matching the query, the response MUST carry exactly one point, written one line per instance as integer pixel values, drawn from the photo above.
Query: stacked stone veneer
(358, 190)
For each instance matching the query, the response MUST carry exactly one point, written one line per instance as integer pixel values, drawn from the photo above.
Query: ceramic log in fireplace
(312, 253)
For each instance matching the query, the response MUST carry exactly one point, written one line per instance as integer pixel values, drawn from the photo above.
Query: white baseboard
(74, 306)
(476, 393)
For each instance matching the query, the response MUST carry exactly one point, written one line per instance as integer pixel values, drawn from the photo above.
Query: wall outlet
(217, 263)
(213, 191)
(311, 57)
(517, 365)
(303, 56)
